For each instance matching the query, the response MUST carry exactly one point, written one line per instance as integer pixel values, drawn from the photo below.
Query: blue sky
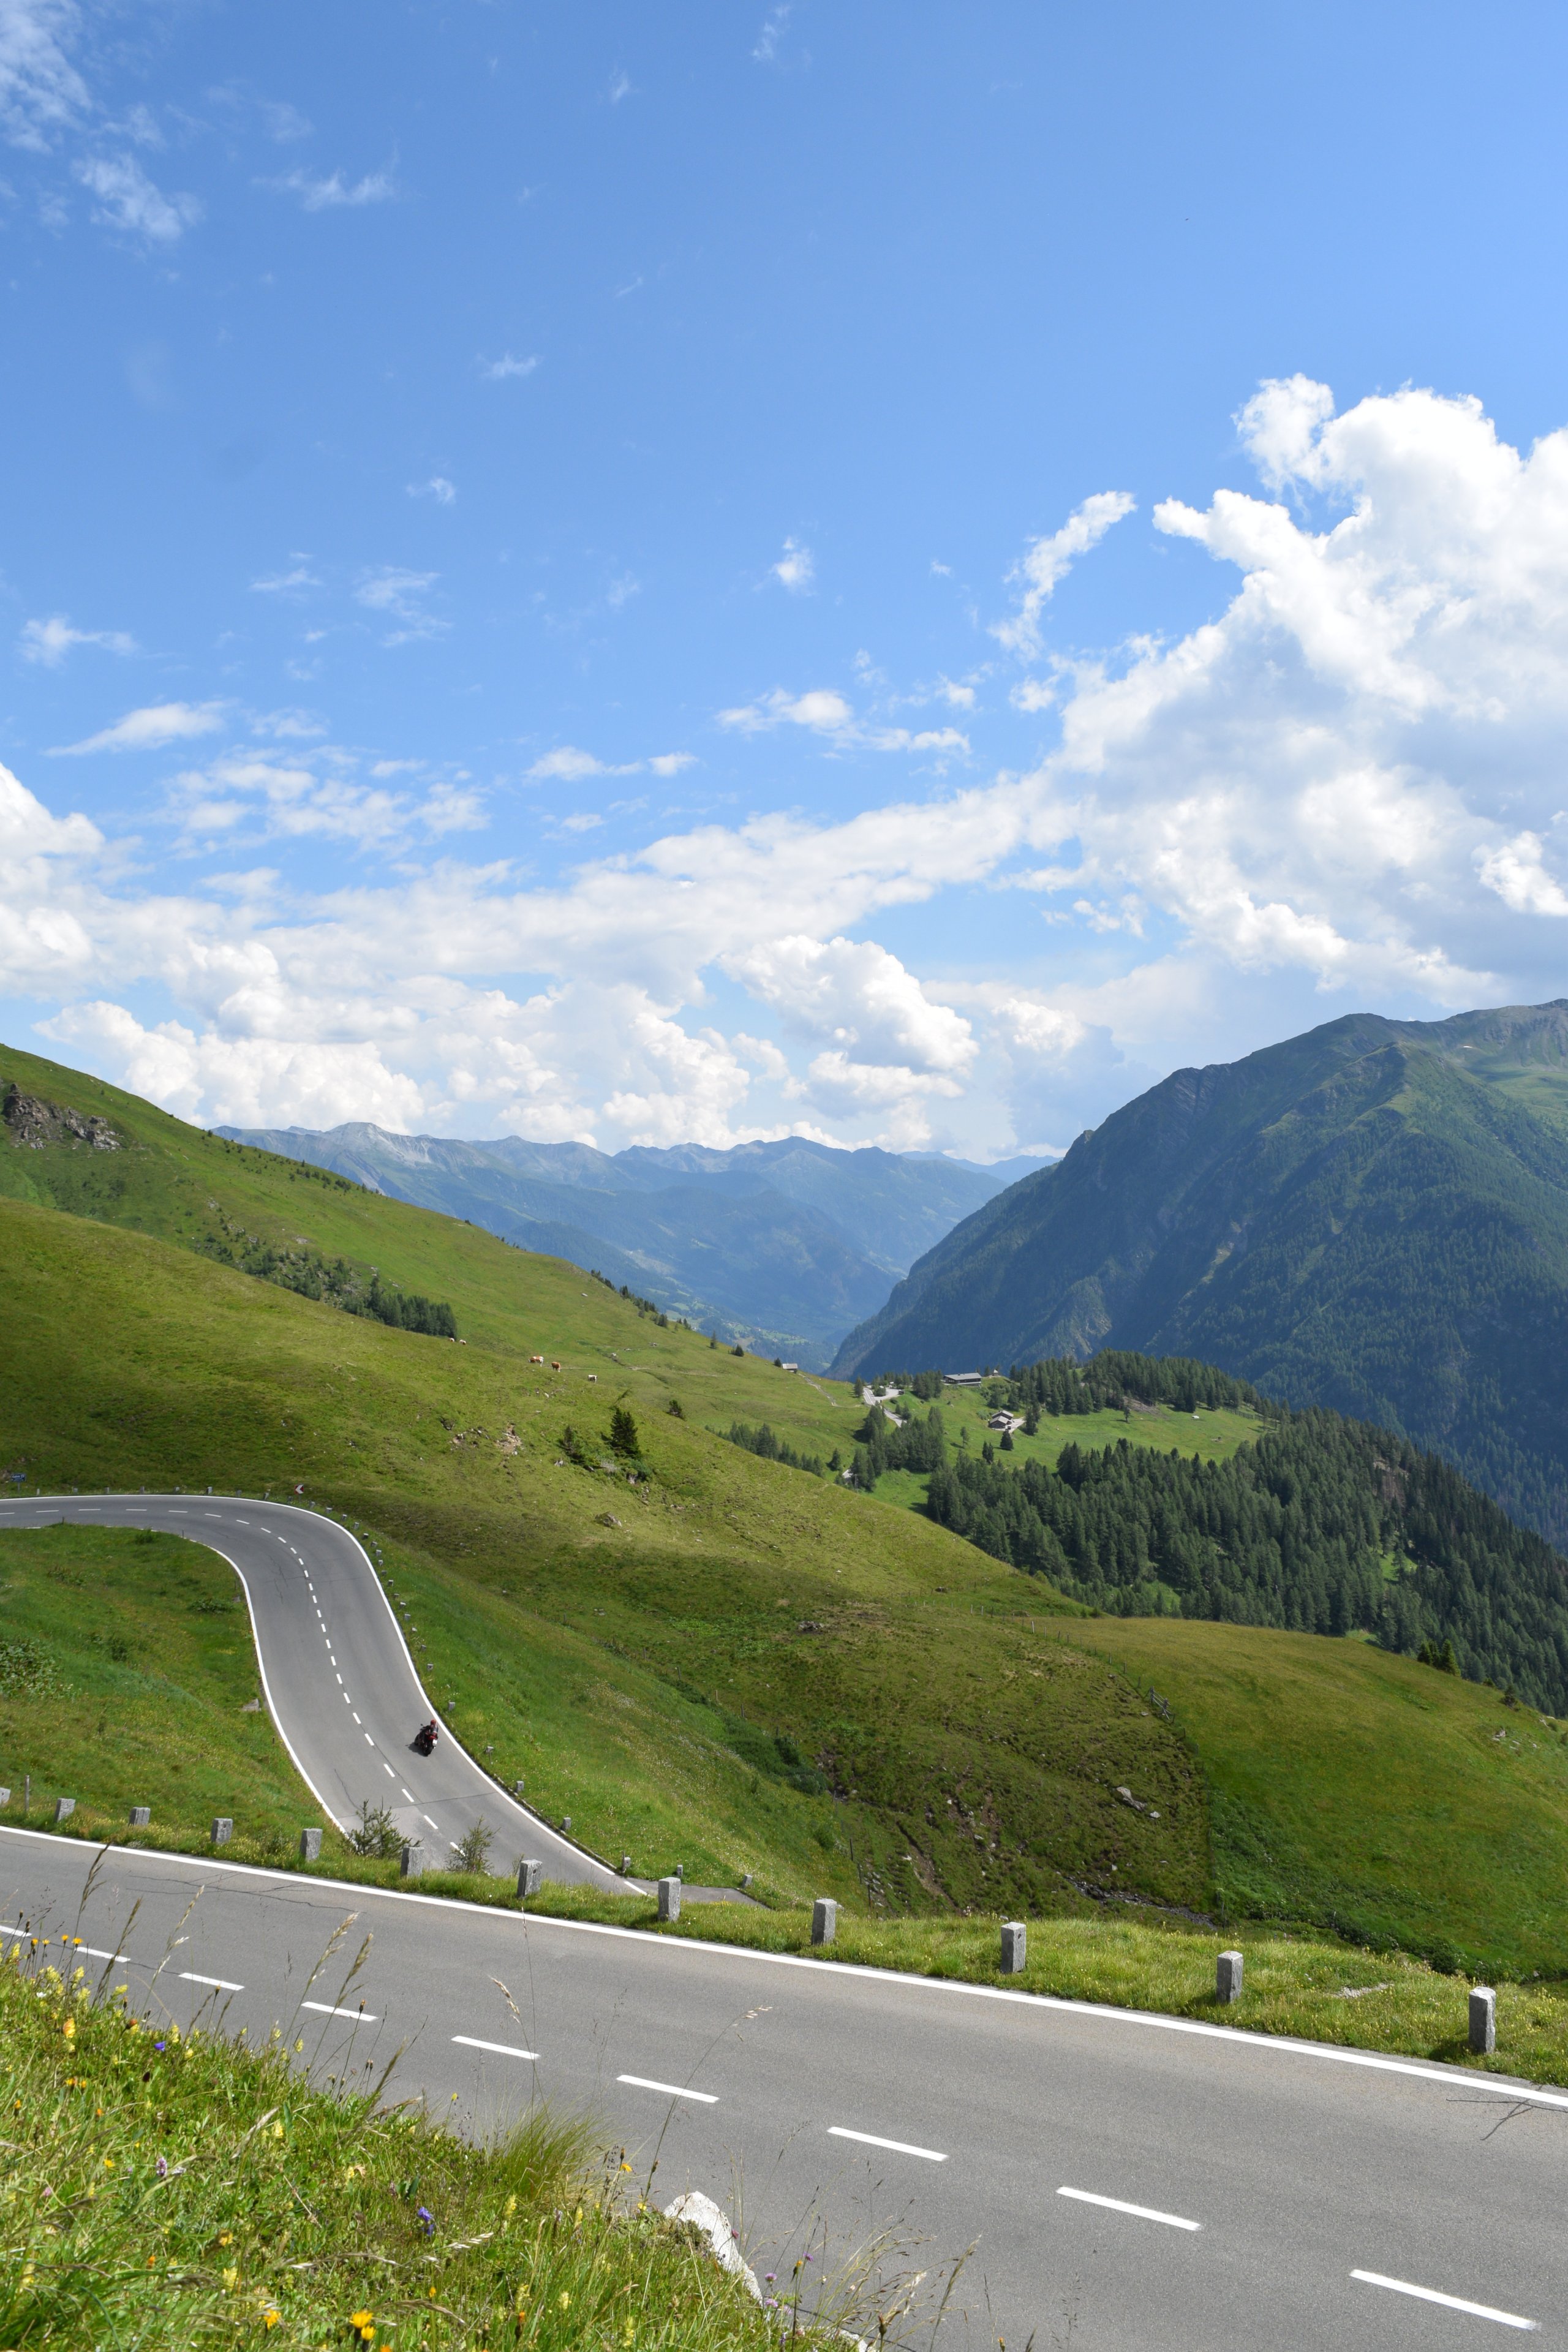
(889, 572)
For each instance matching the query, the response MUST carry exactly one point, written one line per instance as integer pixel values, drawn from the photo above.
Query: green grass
(1363, 1792)
(633, 1649)
(166, 2192)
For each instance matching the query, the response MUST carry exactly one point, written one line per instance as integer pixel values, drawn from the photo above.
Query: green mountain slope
(722, 1661)
(1372, 1217)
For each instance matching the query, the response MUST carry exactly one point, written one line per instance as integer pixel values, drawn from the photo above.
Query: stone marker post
(669, 1898)
(310, 1846)
(140, 1816)
(626, 1865)
(680, 1872)
(823, 1920)
(4, 1796)
(1015, 1948)
(63, 1808)
(565, 1824)
(1483, 2021)
(223, 1830)
(530, 1877)
(413, 1858)
(1227, 1977)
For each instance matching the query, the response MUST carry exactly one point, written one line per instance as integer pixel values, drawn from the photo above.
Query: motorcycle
(424, 1738)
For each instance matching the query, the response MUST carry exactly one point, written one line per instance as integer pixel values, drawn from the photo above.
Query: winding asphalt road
(1124, 2181)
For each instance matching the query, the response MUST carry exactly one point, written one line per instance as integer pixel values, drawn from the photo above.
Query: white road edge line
(325, 2009)
(899, 2147)
(1139, 2213)
(1449, 2302)
(220, 1984)
(501, 2049)
(670, 2090)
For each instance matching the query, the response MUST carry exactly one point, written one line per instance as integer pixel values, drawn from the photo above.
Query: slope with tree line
(1321, 1524)
(1372, 1217)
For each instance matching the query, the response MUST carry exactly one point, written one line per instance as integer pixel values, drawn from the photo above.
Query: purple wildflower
(160, 2046)
(161, 2168)
(427, 2219)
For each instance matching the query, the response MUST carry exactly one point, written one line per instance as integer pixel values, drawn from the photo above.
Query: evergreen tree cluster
(1323, 1526)
(883, 1443)
(773, 1448)
(331, 1280)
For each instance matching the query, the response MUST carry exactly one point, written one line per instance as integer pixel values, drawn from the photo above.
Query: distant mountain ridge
(1372, 1216)
(779, 1245)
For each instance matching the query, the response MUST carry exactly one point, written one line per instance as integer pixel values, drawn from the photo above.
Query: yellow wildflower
(362, 2319)
(277, 2131)
(68, 2029)
(230, 2280)
(271, 2317)
(563, 2300)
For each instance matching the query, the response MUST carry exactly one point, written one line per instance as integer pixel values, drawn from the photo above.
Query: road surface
(1124, 2181)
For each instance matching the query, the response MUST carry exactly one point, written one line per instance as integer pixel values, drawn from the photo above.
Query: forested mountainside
(1373, 1217)
(781, 1246)
(1318, 1525)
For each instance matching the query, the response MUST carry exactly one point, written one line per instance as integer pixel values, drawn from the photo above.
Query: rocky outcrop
(31, 1122)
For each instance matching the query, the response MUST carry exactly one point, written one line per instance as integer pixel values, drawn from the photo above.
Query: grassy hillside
(1363, 1792)
(1372, 1217)
(724, 1662)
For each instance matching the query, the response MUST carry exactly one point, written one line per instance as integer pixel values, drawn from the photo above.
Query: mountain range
(1372, 1216)
(778, 1245)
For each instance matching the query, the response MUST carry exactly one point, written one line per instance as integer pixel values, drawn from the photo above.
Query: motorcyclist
(425, 1738)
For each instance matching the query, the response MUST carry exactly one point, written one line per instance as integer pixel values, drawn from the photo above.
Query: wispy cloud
(766, 48)
(277, 584)
(398, 593)
(48, 642)
(497, 371)
(795, 569)
(129, 201)
(824, 712)
(437, 488)
(321, 196)
(248, 796)
(1045, 561)
(568, 765)
(621, 87)
(284, 123)
(151, 728)
(41, 92)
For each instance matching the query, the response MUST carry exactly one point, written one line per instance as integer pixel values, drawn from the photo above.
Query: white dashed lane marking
(1448, 2302)
(669, 2090)
(899, 2147)
(1139, 2213)
(325, 2009)
(501, 2049)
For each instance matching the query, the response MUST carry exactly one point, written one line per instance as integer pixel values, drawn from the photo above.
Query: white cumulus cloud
(795, 569)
